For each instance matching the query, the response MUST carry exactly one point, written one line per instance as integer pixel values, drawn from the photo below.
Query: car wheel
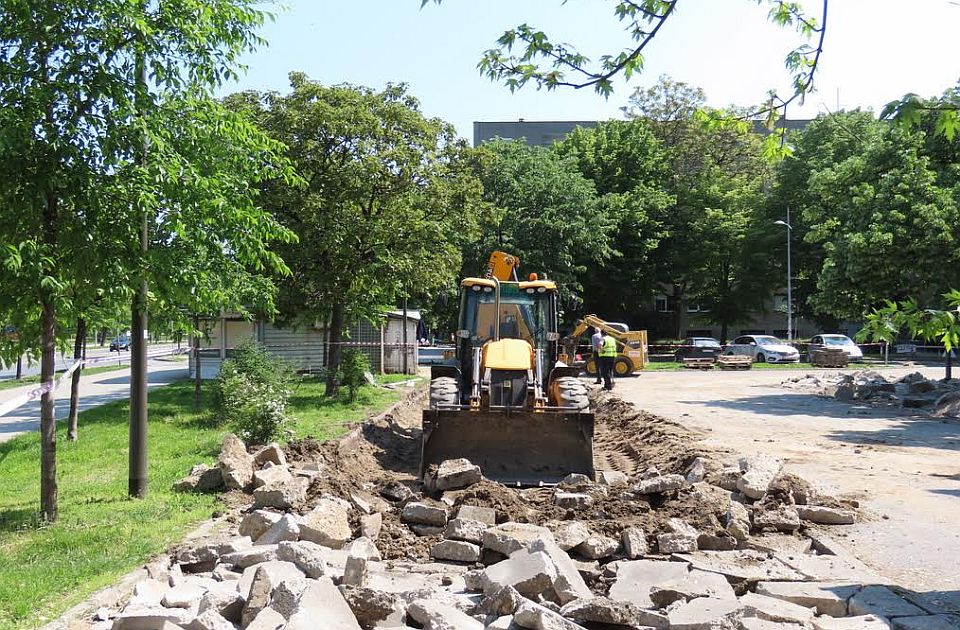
(761, 358)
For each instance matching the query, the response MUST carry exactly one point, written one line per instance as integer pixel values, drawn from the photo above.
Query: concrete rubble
(304, 557)
(941, 398)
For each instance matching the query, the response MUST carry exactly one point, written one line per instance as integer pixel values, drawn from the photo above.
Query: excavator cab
(504, 402)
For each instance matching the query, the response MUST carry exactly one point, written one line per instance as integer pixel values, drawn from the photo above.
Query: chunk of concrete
(828, 598)
(743, 565)
(634, 542)
(737, 520)
(466, 530)
(755, 623)
(425, 514)
(284, 529)
(660, 485)
(373, 607)
(270, 453)
(439, 616)
(774, 609)
(694, 584)
(882, 602)
(255, 523)
(612, 478)
(927, 622)
(456, 551)
(235, 464)
(569, 534)
(457, 473)
(860, 622)
(267, 619)
(783, 518)
(327, 524)
(249, 557)
(529, 573)
(202, 478)
(536, 617)
(322, 605)
(305, 555)
(758, 472)
(281, 495)
(509, 537)
(364, 547)
(227, 604)
(503, 602)
(596, 547)
(266, 577)
(572, 500)
(569, 584)
(355, 571)
(144, 617)
(371, 525)
(273, 475)
(607, 611)
(696, 471)
(183, 595)
(149, 592)
(681, 539)
(825, 515)
(209, 620)
(486, 515)
(635, 578)
(705, 613)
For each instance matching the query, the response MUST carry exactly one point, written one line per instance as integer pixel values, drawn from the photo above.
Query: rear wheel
(571, 393)
(761, 358)
(623, 366)
(444, 391)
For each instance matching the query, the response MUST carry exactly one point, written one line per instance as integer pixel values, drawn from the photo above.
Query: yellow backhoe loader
(631, 346)
(504, 401)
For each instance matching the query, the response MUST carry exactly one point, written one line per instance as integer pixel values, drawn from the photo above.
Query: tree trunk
(336, 350)
(723, 333)
(48, 358)
(678, 305)
(75, 382)
(20, 367)
(196, 362)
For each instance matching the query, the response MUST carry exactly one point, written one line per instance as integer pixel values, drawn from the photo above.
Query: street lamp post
(787, 225)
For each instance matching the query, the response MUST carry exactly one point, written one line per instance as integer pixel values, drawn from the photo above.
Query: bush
(252, 392)
(353, 368)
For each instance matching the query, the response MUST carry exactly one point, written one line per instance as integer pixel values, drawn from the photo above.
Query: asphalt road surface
(65, 360)
(95, 390)
(903, 467)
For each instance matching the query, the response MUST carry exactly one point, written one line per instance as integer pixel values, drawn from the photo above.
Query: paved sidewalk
(95, 390)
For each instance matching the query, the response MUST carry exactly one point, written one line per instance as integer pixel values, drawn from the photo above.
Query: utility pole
(137, 477)
(789, 227)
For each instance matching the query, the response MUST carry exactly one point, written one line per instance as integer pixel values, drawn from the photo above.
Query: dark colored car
(120, 343)
(697, 348)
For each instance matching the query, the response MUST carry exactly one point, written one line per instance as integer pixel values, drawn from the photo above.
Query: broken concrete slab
(210, 620)
(758, 472)
(364, 547)
(235, 463)
(775, 609)
(569, 534)
(536, 617)
(694, 584)
(927, 622)
(681, 539)
(273, 475)
(860, 622)
(327, 524)
(636, 577)
(660, 485)
(826, 515)
(438, 616)
(529, 573)
(457, 473)
(466, 530)
(596, 547)
(281, 495)
(634, 542)
(509, 537)
(267, 619)
(183, 595)
(612, 478)
(477, 513)
(569, 584)
(435, 515)
(456, 551)
(305, 555)
(705, 613)
(747, 565)
(372, 607)
(737, 521)
(143, 617)
(783, 518)
(828, 598)
(255, 523)
(882, 602)
(322, 605)
(270, 453)
(355, 571)
(202, 478)
(249, 557)
(227, 604)
(607, 611)
(371, 525)
(572, 500)
(284, 529)
(265, 578)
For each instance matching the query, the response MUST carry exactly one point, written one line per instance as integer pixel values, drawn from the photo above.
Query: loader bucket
(518, 447)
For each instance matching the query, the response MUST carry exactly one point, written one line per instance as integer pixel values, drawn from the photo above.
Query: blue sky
(876, 50)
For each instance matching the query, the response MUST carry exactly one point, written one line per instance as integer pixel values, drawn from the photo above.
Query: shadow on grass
(18, 519)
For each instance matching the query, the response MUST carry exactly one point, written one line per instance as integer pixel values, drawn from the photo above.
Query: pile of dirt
(379, 460)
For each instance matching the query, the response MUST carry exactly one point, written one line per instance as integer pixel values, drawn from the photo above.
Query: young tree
(75, 115)
(389, 200)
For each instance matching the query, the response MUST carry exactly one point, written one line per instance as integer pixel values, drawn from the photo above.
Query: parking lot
(902, 465)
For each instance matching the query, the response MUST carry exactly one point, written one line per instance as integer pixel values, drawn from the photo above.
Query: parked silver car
(763, 349)
(854, 353)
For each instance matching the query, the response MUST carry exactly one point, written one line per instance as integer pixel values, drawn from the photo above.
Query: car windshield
(838, 341)
(767, 340)
(706, 343)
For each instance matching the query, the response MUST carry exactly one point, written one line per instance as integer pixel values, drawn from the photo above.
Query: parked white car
(763, 349)
(837, 341)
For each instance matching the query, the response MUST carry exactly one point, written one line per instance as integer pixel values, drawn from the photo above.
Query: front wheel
(444, 392)
(623, 366)
(761, 358)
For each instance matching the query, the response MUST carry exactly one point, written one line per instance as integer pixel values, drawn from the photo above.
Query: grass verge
(101, 534)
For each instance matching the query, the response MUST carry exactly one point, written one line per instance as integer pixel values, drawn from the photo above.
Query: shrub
(353, 368)
(252, 392)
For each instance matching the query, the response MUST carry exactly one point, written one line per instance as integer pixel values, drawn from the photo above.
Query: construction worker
(608, 356)
(596, 342)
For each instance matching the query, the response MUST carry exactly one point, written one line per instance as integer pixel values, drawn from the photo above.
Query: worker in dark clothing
(608, 356)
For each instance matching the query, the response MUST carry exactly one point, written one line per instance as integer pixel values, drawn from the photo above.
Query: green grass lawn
(101, 534)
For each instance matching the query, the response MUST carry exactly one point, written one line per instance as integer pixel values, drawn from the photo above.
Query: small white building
(306, 347)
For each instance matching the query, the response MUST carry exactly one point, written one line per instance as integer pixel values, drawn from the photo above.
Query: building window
(752, 331)
(663, 304)
(696, 307)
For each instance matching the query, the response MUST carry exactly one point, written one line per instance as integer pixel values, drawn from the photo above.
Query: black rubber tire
(444, 391)
(761, 358)
(572, 393)
(623, 366)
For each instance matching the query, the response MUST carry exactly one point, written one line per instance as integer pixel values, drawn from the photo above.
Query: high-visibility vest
(609, 348)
